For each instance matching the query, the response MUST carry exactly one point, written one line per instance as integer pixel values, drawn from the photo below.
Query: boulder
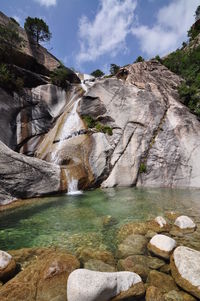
(178, 296)
(44, 279)
(164, 282)
(98, 265)
(20, 175)
(184, 222)
(185, 268)
(154, 294)
(140, 264)
(162, 245)
(88, 285)
(85, 254)
(7, 266)
(134, 244)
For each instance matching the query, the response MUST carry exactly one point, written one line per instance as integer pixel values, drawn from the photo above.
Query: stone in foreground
(7, 266)
(162, 245)
(86, 285)
(184, 222)
(185, 268)
(45, 278)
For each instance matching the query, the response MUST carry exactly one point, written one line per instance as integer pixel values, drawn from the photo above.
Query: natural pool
(84, 220)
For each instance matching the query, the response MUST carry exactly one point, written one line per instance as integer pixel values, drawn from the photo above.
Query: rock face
(154, 139)
(185, 267)
(88, 285)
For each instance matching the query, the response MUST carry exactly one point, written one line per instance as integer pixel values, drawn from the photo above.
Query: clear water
(72, 222)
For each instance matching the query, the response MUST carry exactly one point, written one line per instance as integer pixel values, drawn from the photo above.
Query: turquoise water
(72, 222)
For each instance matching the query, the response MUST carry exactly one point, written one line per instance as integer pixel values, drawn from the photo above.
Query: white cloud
(47, 3)
(170, 30)
(107, 33)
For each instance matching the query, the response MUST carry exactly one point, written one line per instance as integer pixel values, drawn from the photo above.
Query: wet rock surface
(44, 279)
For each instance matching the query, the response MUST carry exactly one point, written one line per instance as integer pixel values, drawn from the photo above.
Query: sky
(92, 34)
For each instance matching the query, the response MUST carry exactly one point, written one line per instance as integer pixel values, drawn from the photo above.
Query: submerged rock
(140, 264)
(162, 245)
(88, 285)
(85, 254)
(185, 268)
(134, 244)
(98, 265)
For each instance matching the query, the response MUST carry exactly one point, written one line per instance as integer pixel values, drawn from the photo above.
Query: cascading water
(72, 185)
(72, 126)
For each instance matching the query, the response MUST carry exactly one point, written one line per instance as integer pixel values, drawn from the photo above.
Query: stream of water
(77, 221)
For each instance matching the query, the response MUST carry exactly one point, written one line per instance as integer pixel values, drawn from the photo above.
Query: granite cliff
(127, 130)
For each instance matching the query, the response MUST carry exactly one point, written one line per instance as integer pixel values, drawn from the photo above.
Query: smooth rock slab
(184, 222)
(86, 285)
(162, 245)
(185, 268)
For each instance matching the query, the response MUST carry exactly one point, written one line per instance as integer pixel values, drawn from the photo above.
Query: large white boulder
(184, 222)
(185, 268)
(86, 285)
(162, 245)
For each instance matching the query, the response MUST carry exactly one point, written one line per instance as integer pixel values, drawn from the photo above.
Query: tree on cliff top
(37, 29)
(197, 13)
(97, 73)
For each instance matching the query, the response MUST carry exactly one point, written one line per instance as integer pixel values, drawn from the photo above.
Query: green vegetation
(186, 63)
(97, 73)
(37, 29)
(91, 123)
(139, 59)
(103, 128)
(9, 40)
(15, 21)
(197, 13)
(142, 168)
(194, 30)
(114, 69)
(60, 76)
(8, 81)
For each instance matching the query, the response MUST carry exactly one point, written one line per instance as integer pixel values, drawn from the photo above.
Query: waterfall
(71, 125)
(72, 185)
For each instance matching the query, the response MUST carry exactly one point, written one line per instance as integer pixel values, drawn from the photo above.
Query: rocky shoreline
(154, 260)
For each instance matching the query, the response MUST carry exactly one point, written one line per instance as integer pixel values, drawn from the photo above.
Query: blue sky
(91, 34)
